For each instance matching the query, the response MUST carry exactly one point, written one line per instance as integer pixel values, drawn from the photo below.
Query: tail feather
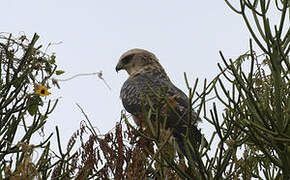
(195, 137)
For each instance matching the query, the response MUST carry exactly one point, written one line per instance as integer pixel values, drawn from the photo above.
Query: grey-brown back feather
(142, 85)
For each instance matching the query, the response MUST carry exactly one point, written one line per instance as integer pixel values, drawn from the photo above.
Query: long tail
(195, 137)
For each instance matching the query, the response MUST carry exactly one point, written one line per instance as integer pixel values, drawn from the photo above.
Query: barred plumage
(148, 80)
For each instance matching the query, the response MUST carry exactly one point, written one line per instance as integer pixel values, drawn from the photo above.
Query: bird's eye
(127, 59)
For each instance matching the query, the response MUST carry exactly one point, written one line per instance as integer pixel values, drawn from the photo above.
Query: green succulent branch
(25, 76)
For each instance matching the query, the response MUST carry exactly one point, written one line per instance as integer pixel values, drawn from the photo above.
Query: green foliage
(252, 130)
(25, 77)
(59, 72)
(32, 104)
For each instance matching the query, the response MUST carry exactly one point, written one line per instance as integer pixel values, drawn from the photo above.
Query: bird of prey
(148, 82)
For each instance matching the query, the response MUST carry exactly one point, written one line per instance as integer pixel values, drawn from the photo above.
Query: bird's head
(136, 60)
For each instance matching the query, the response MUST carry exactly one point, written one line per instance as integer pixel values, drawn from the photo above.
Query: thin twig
(99, 74)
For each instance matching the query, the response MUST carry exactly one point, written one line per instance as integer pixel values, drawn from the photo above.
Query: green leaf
(48, 67)
(59, 72)
(52, 59)
(32, 104)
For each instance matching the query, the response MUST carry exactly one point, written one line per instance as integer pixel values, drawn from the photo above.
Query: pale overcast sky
(185, 35)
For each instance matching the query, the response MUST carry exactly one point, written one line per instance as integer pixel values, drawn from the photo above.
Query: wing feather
(144, 85)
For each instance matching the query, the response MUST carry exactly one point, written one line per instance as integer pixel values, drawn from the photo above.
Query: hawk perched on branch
(146, 85)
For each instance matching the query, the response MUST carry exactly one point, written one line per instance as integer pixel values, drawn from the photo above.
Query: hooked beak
(119, 67)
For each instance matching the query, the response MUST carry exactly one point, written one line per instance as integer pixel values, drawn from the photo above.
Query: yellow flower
(42, 91)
